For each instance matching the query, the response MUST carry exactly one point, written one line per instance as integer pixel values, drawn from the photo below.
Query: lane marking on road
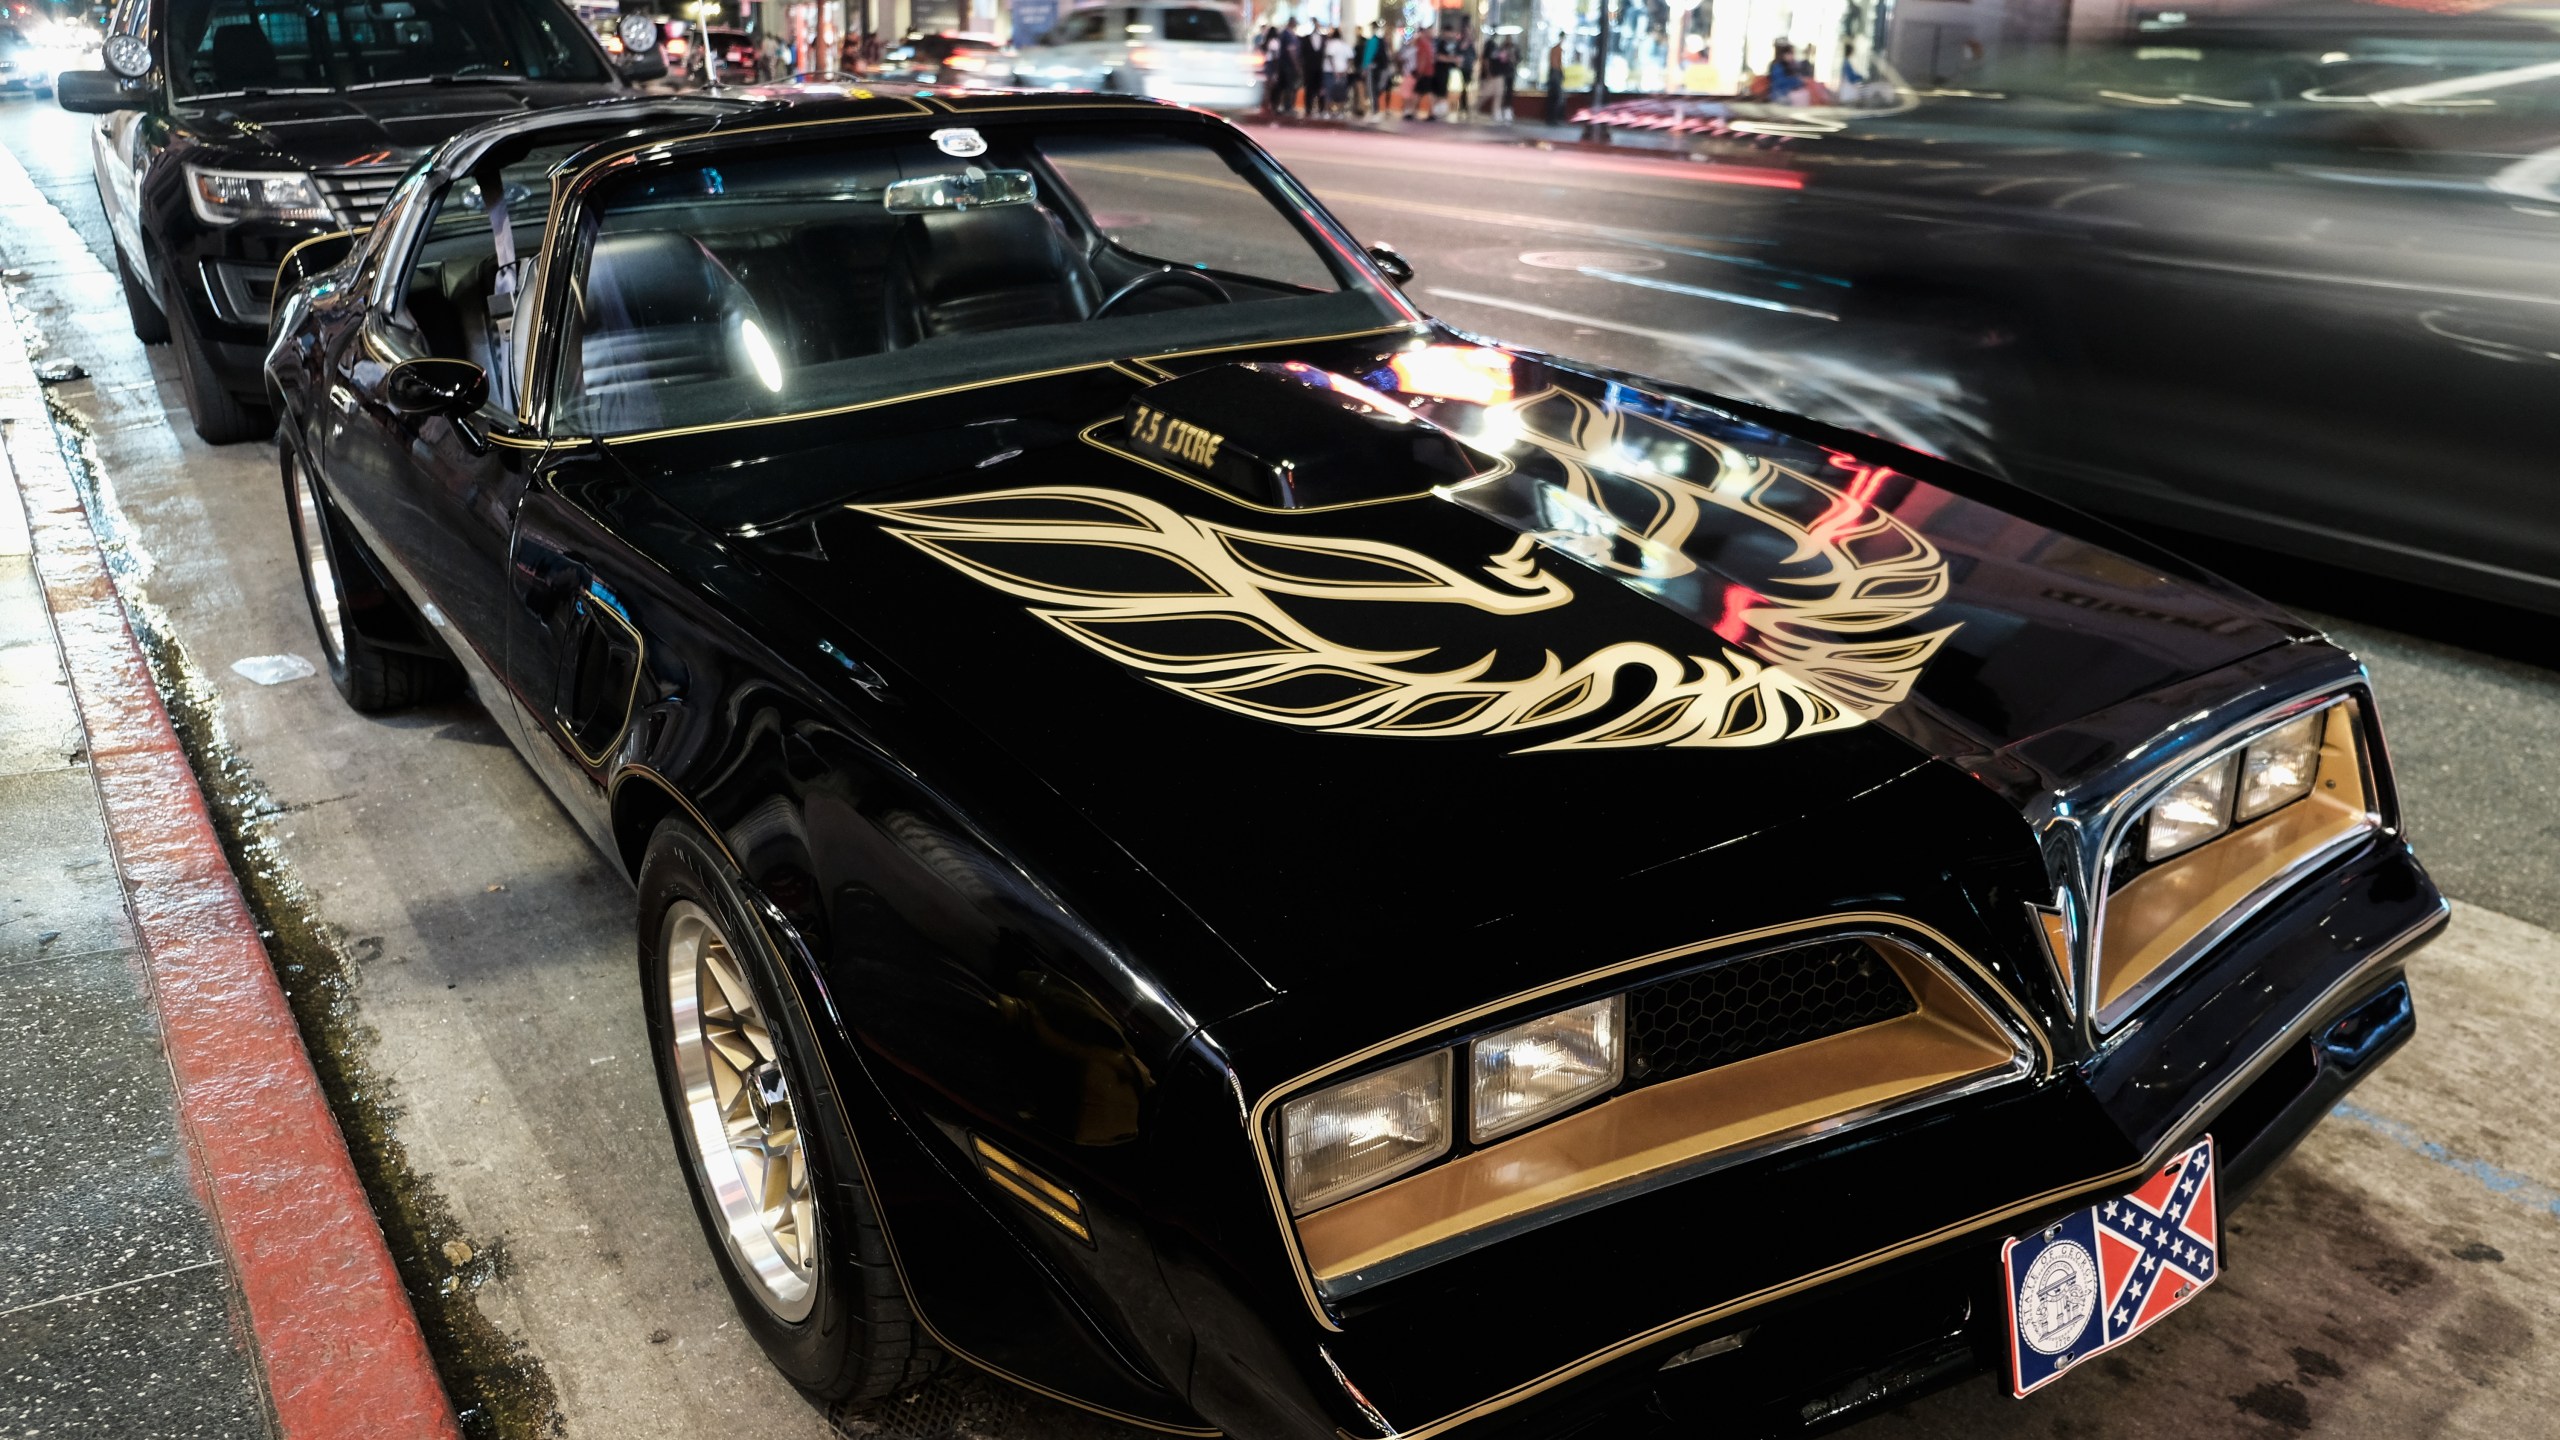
(2497, 1179)
(1647, 282)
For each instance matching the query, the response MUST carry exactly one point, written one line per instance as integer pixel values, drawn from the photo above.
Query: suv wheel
(149, 325)
(221, 417)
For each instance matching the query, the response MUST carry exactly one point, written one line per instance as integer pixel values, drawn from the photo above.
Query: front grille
(1754, 1004)
(358, 192)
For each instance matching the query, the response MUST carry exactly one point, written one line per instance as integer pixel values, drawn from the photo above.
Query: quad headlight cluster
(1363, 1132)
(2263, 776)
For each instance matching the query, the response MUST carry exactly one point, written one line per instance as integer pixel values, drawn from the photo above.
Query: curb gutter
(333, 1333)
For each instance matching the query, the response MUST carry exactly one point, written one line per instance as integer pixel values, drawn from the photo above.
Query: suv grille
(1758, 1003)
(359, 192)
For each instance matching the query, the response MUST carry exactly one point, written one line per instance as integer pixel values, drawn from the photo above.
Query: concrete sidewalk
(184, 1250)
(115, 1306)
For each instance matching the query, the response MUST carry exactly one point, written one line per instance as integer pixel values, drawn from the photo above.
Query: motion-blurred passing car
(1192, 54)
(26, 66)
(1242, 859)
(2284, 276)
(946, 58)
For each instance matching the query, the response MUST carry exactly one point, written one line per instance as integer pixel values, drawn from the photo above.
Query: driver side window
(453, 272)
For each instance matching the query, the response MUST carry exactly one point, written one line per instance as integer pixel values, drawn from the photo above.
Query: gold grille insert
(1669, 1130)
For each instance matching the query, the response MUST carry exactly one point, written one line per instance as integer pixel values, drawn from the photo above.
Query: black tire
(854, 1339)
(149, 325)
(221, 418)
(369, 678)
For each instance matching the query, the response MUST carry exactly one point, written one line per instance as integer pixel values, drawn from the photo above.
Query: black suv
(237, 129)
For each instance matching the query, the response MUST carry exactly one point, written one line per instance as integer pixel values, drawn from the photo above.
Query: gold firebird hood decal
(1197, 606)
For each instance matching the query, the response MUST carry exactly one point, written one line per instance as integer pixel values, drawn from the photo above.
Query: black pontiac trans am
(1254, 863)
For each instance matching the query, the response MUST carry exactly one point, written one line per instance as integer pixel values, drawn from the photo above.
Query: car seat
(243, 58)
(657, 311)
(967, 272)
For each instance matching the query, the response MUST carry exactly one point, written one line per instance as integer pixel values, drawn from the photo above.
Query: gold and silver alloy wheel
(739, 1123)
(310, 528)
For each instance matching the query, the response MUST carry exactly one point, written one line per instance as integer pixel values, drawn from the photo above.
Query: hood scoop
(1288, 436)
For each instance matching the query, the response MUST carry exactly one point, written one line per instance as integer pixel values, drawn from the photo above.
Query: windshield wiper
(491, 78)
(260, 92)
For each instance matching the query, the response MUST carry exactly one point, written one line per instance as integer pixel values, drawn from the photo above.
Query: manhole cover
(1616, 262)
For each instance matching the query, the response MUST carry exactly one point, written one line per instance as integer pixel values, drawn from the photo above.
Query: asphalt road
(2396, 1278)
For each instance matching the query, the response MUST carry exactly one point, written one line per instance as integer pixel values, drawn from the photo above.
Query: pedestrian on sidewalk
(1337, 72)
(1275, 68)
(1421, 57)
(1786, 83)
(1379, 69)
(1501, 68)
(1555, 82)
(1458, 58)
(1310, 69)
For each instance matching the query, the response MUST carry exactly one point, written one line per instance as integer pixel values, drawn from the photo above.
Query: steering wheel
(1157, 280)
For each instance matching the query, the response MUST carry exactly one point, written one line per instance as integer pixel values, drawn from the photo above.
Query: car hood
(1615, 631)
(362, 127)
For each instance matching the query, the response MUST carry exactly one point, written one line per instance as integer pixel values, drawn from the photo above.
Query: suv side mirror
(416, 389)
(643, 58)
(1391, 264)
(97, 92)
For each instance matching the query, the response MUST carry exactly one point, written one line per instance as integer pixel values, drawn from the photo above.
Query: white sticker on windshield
(963, 143)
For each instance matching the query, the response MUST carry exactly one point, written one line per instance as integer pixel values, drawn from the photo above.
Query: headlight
(2195, 810)
(224, 197)
(1348, 1137)
(2278, 767)
(1522, 1075)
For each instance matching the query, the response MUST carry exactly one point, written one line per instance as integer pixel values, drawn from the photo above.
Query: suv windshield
(227, 46)
(746, 285)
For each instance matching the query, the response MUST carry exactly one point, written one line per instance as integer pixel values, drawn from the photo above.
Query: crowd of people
(1370, 70)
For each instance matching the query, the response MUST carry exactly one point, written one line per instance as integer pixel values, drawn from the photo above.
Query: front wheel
(762, 1142)
(221, 418)
(150, 326)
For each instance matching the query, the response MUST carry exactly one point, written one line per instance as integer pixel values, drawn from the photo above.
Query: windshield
(229, 46)
(755, 285)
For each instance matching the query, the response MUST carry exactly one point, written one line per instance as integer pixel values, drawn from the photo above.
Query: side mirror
(1391, 264)
(416, 389)
(97, 92)
(647, 65)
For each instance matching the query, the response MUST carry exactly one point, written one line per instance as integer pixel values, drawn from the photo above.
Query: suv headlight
(226, 197)
(1520, 1076)
(1349, 1137)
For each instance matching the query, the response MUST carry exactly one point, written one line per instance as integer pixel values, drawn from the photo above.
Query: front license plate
(2098, 1277)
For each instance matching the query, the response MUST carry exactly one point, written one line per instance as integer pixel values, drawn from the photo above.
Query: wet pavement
(468, 958)
(116, 1310)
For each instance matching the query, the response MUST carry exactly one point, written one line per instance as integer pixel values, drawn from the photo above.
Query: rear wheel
(149, 325)
(220, 417)
(763, 1146)
(369, 677)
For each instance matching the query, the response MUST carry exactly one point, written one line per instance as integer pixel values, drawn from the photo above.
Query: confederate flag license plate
(2098, 1277)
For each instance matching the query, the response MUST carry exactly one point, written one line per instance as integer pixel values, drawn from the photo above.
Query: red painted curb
(335, 1337)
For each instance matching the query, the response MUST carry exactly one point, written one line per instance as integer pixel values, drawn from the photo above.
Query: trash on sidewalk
(274, 669)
